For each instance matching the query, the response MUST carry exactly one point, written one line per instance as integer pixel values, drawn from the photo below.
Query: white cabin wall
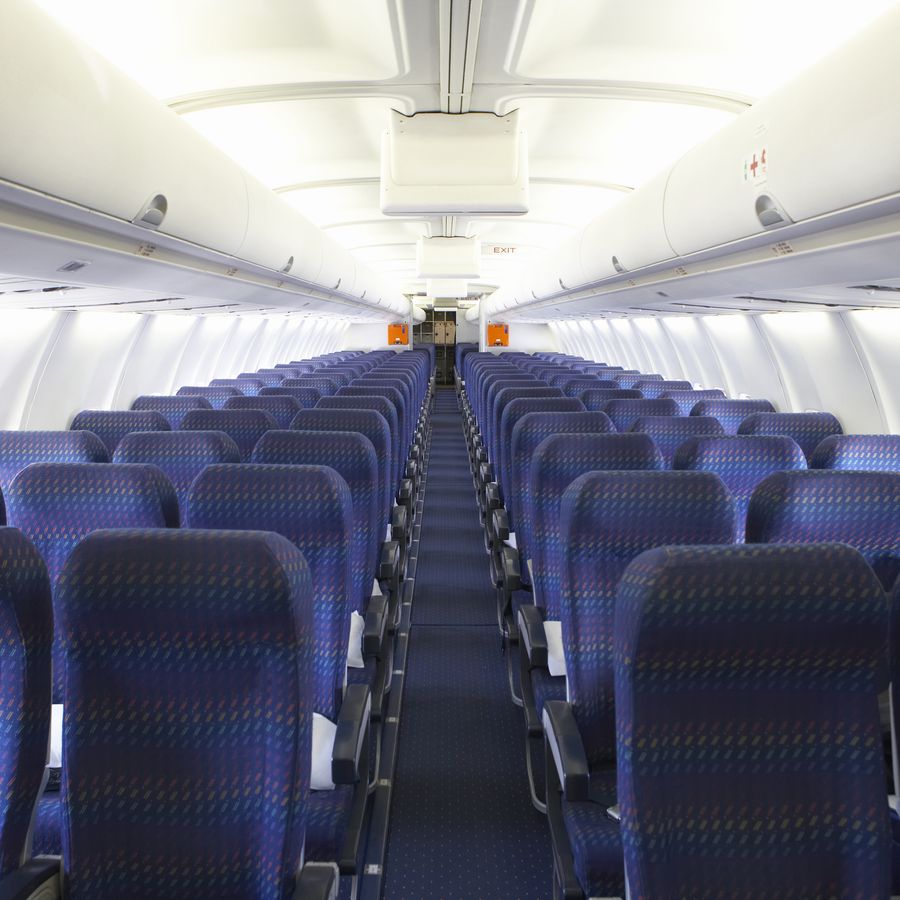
(365, 336)
(466, 331)
(54, 364)
(843, 363)
(530, 337)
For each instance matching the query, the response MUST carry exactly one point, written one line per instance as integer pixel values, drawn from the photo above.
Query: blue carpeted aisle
(462, 825)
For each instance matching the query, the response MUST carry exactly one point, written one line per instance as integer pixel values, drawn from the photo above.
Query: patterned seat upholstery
(367, 422)
(173, 408)
(492, 385)
(307, 397)
(281, 407)
(731, 413)
(669, 432)
(26, 636)
(807, 429)
(55, 505)
(688, 399)
(251, 385)
(527, 434)
(180, 455)
(556, 462)
(111, 425)
(19, 449)
(630, 378)
(324, 385)
(654, 389)
(215, 802)
(381, 405)
(269, 379)
(406, 412)
(353, 457)
(512, 415)
(863, 452)
(741, 461)
(624, 413)
(311, 507)
(742, 677)
(855, 508)
(244, 426)
(606, 520)
(594, 399)
(216, 395)
(502, 399)
(241, 385)
(576, 385)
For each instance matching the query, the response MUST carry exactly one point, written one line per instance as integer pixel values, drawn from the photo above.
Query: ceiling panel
(734, 46)
(174, 48)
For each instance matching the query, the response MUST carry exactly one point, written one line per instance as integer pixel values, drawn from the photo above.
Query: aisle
(462, 825)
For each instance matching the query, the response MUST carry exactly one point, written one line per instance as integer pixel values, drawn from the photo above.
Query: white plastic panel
(659, 347)
(877, 334)
(820, 368)
(695, 351)
(24, 337)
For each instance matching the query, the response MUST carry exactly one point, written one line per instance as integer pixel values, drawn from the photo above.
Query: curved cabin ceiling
(608, 93)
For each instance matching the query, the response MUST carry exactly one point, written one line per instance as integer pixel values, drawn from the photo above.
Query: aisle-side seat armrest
(39, 872)
(399, 523)
(532, 635)
(565, 744)
(493, 496)
(509, 565)
(317, 881)
(404, 494)
(375, 627)
(389, 565)
(352, 732)
(412, 469)
(500, 525)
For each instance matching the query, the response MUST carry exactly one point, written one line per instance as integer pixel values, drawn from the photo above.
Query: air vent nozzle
(770, 213)
(152, 213)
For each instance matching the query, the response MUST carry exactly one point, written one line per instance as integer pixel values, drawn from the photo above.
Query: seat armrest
(389, 565)
(493, 499)
(352, 732)
(615, 813)
(533, 636)
(412, 469)
(509, 565)
(375, 626)
(21, 883)
(404, 494)
(400, 524)
(564, 742)
(500, 525)
(317, 881)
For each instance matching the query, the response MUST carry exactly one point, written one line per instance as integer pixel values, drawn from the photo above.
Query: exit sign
(498, 249)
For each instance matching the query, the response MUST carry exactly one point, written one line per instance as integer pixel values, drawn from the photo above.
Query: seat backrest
(741, 461)
(862, 452)
(653, 389)
(55, 505)
(630, 379)
(19, 449)
(688, 399)
(731, 413)
(353, 457)
(527, 434)
(512, 413)
(861, 509)
(594, 399)
(26, 637)
(607, 519)
(576, 385)
(281, 407)
(624, 413)
(742, 677)
(217, 395)
(322, 383)
(311, 507)
(187, 731)
(307, 397)
(669, 432)
(111, 425)
(501, 400)
(492, 384)
(807, 429)
(173, 408)
(267, 379)
(367, 422)
(556, 462)
(244, 426)
(180, 455)
(242, 385)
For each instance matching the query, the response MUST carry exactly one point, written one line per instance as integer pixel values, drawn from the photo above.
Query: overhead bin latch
(770, 212)
(152, 213)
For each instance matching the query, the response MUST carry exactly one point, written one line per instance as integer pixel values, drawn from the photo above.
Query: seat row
(586, 502)
(323, 487)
